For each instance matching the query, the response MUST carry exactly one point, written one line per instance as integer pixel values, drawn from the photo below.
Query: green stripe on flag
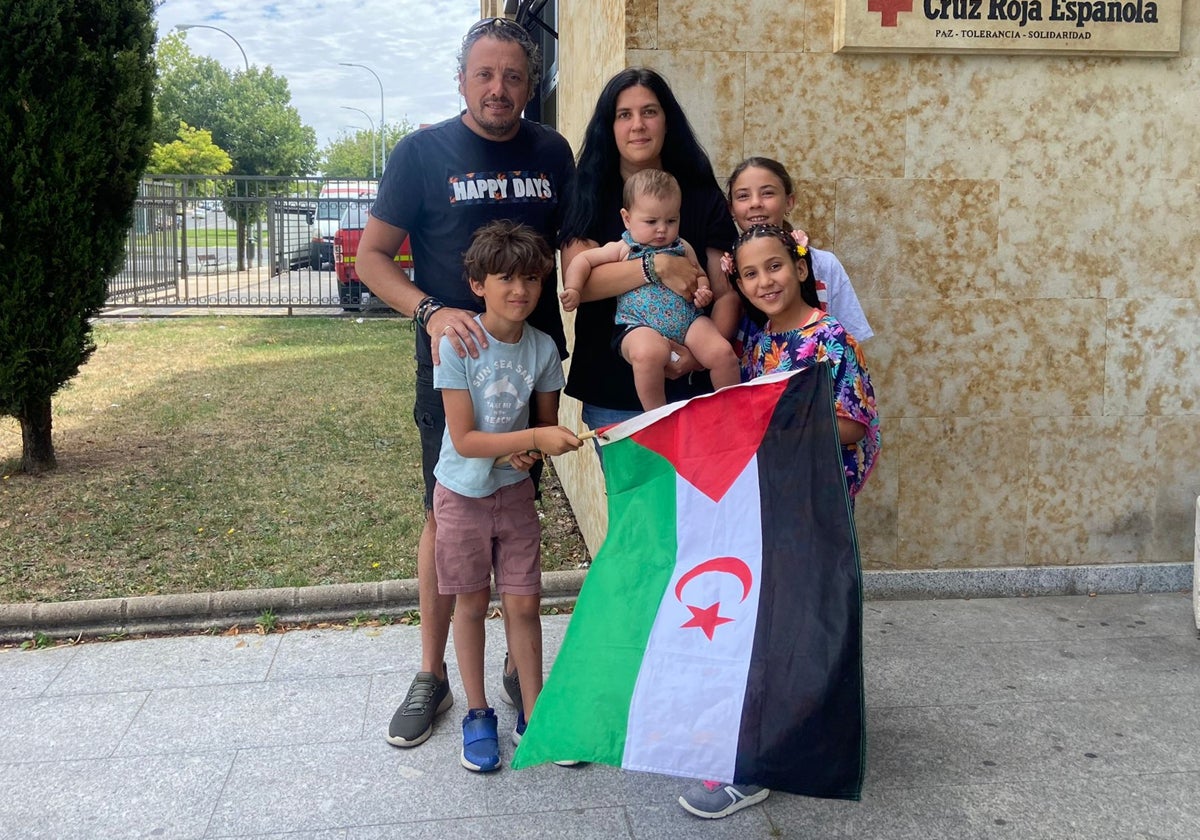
(583, 710)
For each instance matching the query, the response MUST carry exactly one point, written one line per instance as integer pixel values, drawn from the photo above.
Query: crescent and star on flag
(709, 618)
(713, 471)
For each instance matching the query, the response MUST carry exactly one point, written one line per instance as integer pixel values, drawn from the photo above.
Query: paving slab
(166, 663)
(336, 834)
(338, 653)
(592, 822)
(67, 727)
(998, 743)
(211, 717)
(145, 797)
(28, 673)
(344, 785)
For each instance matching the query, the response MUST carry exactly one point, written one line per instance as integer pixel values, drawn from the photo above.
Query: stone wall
(1022, 232)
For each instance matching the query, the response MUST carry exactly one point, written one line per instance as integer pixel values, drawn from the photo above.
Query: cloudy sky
(411, 44)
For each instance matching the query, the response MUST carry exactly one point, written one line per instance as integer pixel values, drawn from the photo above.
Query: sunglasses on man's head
(502, 23)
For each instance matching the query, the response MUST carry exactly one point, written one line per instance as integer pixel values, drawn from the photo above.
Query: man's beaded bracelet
(425, 309)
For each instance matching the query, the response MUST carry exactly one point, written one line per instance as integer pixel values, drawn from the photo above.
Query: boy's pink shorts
(475, 536)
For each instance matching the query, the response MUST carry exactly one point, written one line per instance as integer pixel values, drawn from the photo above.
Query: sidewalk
(1051, 717)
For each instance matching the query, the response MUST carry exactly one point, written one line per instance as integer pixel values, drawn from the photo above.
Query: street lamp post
(241, 224)
(382, 121)
(372, 122)
(184, 27)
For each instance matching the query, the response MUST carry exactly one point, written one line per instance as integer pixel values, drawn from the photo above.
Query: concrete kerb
(201, 611)
(196, 612)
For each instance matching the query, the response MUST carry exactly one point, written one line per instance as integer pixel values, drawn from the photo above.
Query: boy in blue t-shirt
(485, 512)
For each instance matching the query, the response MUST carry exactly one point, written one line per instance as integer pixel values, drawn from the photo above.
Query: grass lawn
(237, 452)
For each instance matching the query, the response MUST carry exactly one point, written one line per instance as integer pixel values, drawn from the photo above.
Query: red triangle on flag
(708, 459)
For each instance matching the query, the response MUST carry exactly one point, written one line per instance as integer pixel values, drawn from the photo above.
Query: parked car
(345, 255)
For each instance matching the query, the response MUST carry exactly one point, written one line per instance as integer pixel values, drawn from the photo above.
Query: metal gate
(233, 241)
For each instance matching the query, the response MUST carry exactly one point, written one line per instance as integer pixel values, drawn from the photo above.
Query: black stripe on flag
(803, 718)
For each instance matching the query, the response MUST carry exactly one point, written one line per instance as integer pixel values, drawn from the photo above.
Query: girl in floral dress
(773, 272)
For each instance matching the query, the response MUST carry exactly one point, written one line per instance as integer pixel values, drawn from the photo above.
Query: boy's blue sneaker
(481, 746)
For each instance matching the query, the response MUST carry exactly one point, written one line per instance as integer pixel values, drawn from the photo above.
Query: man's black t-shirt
(444, 182)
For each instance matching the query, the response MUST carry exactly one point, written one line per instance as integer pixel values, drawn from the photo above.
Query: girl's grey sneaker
(713, 800)
(481, 745)
(427, 697)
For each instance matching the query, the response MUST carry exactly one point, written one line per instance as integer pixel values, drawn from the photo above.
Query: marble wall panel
(1179, 154)
(1151, 362)
(974, 116)
(919, 240)
(845, 118)
(818, 26)
(962, 491)
(886, 360)
(1094, 237)
(875, 511)
(708, 85)
(1177, 440)
(986, 359)
(1189, 36)
(641, 24)
(733, 27)
(595, 43)
(816, 212)
(1091, 490)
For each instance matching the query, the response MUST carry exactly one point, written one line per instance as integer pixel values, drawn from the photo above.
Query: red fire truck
(345, 254)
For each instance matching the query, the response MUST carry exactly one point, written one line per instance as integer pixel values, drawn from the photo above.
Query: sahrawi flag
(719, 632)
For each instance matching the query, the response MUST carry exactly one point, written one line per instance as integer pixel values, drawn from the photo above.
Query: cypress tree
(76, 87)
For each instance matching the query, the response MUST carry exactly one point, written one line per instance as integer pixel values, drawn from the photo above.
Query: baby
(652, 316)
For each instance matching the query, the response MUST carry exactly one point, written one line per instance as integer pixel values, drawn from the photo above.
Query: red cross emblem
(889, 10)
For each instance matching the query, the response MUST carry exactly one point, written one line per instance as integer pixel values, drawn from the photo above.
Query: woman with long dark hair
(638, 124)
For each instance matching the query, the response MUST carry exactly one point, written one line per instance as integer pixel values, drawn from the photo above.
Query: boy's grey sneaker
(412, 724)
(713, 800)
(519, 732)
(510, 686)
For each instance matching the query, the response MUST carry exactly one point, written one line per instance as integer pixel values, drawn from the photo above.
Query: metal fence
(211, 242)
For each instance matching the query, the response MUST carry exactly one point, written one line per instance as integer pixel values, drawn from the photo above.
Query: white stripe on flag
(686, 708)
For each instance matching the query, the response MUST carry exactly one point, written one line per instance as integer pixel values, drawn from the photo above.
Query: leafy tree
(352, 155)
(194, 153)
(249, 114)
(190, 88)
(76, 85)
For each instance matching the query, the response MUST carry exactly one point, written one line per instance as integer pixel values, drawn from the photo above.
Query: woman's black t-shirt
(599, 376)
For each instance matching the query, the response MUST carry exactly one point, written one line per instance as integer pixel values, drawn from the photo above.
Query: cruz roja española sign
(1070, 27)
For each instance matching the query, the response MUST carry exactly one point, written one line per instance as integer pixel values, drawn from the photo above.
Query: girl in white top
(760, 192)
